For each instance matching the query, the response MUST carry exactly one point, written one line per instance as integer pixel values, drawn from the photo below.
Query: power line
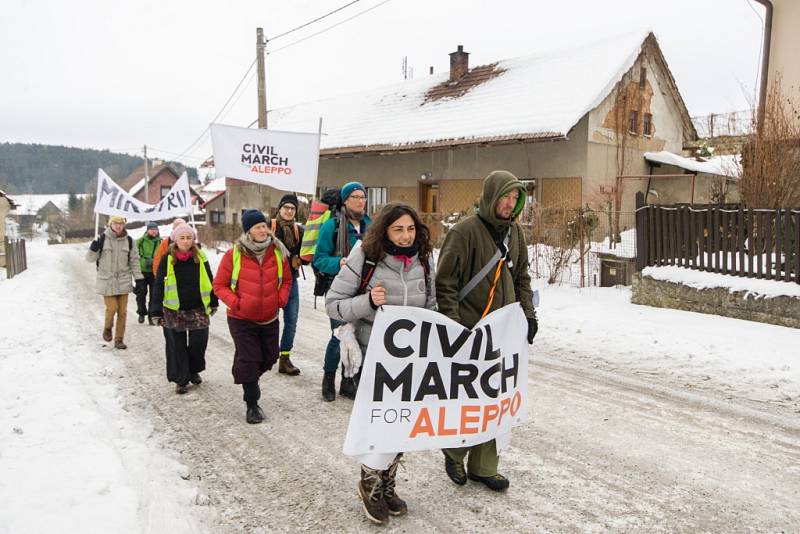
(329, 27)
(203, 133)
(313, 21)
(241, 93)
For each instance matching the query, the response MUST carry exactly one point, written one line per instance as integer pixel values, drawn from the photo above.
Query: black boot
(329, 386)
(141, 318)
(254, 413)
(252, 392)
(347, 388)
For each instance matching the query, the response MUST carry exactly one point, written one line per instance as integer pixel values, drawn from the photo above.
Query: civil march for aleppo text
(428, 382)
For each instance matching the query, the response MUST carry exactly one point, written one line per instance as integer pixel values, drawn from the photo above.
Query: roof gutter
(762, 92)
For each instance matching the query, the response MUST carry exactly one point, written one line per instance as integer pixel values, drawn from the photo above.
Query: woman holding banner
(393, 266)
(182, 301)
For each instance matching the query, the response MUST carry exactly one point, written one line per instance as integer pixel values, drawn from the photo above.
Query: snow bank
(72, 459)
(755, 360)
(704, 280)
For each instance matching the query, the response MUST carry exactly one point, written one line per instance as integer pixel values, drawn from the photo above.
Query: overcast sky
(120, 74)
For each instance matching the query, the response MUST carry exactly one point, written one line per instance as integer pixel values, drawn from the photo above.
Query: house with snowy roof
(574, 124)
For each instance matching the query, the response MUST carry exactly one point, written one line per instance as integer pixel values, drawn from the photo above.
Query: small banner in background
(113, 200)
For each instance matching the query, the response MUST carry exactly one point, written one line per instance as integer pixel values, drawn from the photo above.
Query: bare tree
(770, 167)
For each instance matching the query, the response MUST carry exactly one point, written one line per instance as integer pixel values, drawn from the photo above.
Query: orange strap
(497, 273)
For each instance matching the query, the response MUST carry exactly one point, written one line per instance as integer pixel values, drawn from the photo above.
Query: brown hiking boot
(120, 345)
(394, 503)
(285, 366)
(370, 489)
(106, 334)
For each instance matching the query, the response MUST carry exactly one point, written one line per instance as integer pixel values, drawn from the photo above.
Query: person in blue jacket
(336, 237)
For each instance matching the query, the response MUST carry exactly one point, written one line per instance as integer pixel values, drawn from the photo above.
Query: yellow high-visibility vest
(171, 299)
(237, 266)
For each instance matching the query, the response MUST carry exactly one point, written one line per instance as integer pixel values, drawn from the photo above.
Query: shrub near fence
(753, 243)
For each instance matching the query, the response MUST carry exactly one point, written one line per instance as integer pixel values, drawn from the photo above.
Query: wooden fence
(753, 243)
(16, 257)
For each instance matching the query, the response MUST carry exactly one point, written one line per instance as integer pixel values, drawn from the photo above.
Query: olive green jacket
(469, 245)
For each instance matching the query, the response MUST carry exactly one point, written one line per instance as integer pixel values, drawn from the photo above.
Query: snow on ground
(753, 360)
(72, 456)
(704, 280)
(72, 459)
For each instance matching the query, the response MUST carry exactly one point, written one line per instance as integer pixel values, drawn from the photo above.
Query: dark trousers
(143, 288)
(186, 353)
(256, 349)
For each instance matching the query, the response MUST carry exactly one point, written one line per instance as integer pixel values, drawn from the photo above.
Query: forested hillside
(31, 168)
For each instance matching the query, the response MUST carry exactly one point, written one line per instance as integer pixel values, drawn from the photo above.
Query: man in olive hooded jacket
(467, 248)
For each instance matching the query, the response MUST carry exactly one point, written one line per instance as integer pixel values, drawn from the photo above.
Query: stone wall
(782, 310)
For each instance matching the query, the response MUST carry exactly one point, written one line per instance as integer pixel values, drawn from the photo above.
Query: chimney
(459, 63)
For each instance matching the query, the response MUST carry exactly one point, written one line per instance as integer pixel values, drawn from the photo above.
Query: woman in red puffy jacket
(253, 280)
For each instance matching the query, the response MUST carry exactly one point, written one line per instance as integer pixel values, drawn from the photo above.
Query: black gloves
(533, 327)
(94, 246)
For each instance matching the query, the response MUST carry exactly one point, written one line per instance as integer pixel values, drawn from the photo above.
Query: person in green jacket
(468, 248)
(147, 246)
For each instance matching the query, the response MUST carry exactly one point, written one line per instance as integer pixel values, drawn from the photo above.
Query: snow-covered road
(615, 443)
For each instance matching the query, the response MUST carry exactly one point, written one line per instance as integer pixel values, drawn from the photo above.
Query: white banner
(283, 160)
(430, 383)
(113, 200)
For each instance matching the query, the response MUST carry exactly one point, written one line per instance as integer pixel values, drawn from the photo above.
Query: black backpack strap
(367, 270)
(426, 267)
(101, 240)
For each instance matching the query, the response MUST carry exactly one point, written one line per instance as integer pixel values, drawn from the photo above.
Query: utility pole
(261, 46)
(146, 179)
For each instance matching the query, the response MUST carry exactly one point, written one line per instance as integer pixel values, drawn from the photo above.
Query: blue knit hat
(251, 218)
(151, 224)
(349, 187)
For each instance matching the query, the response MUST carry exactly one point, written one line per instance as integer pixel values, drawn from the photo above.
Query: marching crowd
(482, 266)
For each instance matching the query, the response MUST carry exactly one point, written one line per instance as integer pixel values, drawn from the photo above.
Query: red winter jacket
(257, 297)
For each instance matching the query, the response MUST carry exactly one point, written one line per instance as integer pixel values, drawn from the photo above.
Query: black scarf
(394, 250)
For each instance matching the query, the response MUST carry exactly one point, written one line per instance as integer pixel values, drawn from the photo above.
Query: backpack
(102, 240)
(321, 211)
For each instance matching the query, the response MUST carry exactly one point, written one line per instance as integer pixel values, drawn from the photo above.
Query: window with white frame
(376, 197)
(164, 190)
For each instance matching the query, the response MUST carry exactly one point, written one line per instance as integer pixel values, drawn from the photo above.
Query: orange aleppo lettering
(423, 424)
(490, 412)
(442, 430)
(466, 419)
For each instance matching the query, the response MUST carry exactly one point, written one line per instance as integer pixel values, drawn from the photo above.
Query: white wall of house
(785, 43)
(603, 154)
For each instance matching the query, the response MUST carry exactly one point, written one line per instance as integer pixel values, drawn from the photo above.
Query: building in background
(569, 123)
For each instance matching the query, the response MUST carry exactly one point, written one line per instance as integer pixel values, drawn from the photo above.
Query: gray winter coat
(402, 289)
(116, 266)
